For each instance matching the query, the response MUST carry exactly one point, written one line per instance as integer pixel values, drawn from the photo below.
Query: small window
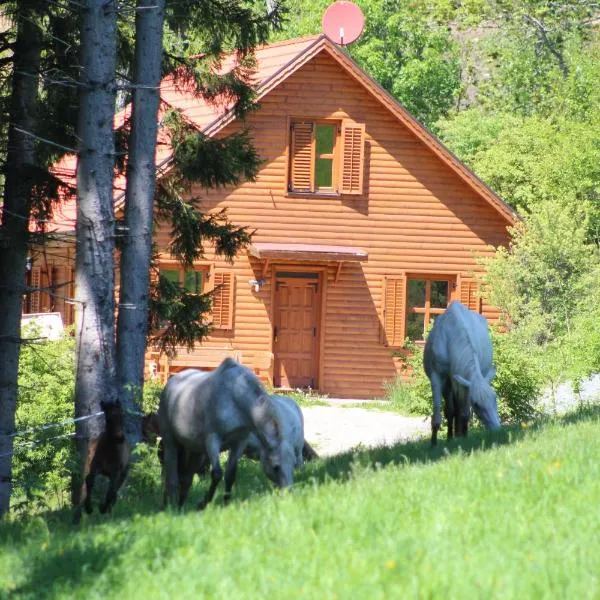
(326, 157)
(411, 304)
(191, 280)
(427, 298)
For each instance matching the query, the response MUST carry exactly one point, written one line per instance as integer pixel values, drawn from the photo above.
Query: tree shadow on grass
(65, 564)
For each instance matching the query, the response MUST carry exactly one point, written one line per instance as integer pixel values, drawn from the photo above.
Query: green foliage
(518, 380)
(151, 396)
(534, 48)
(541, 279)
(41, 471)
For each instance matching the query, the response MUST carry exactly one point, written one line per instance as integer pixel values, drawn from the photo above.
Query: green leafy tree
(541, 279)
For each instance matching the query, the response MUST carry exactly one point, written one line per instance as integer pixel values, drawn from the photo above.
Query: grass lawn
(507, 515)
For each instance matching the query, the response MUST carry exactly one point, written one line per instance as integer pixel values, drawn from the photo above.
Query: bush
(151, 395)
(518, 378)
(43, 461)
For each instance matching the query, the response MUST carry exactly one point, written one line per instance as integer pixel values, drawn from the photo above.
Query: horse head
(276, 454)
(482, 397)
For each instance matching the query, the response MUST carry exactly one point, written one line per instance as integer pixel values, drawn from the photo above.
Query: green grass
(507, 515)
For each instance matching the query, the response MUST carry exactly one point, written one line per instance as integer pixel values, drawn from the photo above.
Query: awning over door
(270, 251)
(306, 252)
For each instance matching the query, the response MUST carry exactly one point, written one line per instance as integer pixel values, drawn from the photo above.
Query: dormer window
(326, 157)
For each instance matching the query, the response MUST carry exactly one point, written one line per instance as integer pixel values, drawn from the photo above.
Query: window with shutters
(411, 304)
(326, 157)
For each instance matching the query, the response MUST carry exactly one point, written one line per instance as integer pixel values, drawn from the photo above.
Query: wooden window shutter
(222, 307)
(70, 306)
(469, 294)
(394, 311)
(302, 166)
(35, 281)
(352, 158)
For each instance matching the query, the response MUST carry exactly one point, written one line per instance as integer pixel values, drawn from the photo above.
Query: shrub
(518, 379)
(43, 461)
(151, 395)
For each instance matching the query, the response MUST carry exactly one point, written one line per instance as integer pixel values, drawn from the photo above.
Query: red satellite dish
(343, 22)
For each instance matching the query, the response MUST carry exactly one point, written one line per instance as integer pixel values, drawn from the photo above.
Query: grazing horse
(197, 463)
(107, 455)
(458, 361)
(206, 412)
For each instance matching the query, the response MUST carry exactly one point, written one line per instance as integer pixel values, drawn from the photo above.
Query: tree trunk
(139, 209)
(95, 269)
(15, 214)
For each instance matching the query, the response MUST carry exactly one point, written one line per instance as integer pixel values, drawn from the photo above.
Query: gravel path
(331, 429)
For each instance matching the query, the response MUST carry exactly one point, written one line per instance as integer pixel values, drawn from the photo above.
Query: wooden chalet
(366, 228)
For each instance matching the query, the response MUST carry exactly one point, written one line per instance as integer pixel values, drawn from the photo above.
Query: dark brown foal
(107, 455)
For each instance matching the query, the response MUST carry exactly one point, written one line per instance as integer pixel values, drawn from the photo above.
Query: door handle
(275, 332)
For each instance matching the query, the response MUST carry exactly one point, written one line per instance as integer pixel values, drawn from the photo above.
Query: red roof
(274, 63)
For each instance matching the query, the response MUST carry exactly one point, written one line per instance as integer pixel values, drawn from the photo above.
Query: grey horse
(205, 412)
(458, 362)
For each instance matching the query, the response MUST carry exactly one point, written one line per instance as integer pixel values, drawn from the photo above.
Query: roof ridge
(290, 42)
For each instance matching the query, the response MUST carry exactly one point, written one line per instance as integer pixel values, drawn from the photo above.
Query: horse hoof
(202, 505)
(226, 499)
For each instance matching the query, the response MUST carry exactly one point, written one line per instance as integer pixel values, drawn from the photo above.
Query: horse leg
(235, 453)
(187, 462)
(436, 417)
(116, 481)
(170, 472)
(213, 449)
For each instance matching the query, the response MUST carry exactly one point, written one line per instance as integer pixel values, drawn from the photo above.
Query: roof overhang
(306, 252)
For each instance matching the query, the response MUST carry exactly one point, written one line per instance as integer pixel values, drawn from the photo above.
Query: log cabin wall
(416, 217)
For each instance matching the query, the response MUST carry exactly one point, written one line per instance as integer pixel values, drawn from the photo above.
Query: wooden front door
(296, 329)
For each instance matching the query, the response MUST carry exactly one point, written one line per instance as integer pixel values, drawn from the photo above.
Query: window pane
(415, 326)
(439, 294)
(193, 282)
(325, 138)
(324, 173)
(171, 274)
(416, 293)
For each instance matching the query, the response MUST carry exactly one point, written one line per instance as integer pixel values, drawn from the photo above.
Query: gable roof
(275, 63)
